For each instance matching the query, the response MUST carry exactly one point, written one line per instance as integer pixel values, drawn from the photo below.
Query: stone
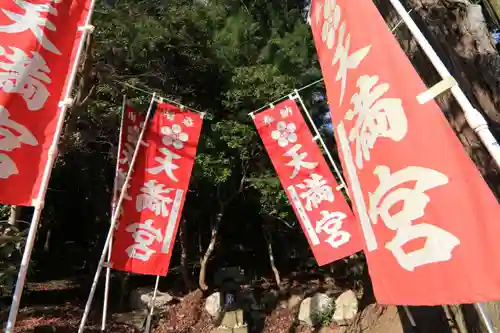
(222, 330)
(240, 330)
(141, 298)
(232, 319)
(341, 329)
(135, 318)
(213, 304)
(346, 308)
(294, 301)
(312, 306)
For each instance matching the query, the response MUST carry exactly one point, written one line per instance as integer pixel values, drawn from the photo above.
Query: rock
(141, 298)
(240, 330)
(341, 329)
(213, 304)
(135, 318)
(312, 306)
(294, 301)
(222, 330)
(232, 319)
(346, 308)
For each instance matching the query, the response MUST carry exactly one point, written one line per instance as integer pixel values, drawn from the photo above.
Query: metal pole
(484, 317)
(320, 139)
(113, 207)
(51, 157)
(410, 316)
(114, 220)
(153, 301)
(474, 118)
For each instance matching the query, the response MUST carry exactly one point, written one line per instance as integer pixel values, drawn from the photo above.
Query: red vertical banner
(132, 124)
(429, 220)
(38, 42)
(145, 236)
(325, 216)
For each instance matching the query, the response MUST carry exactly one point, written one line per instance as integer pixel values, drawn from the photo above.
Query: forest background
(227, 58)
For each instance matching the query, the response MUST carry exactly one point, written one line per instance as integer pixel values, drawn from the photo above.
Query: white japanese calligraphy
(12, 135)
(26, 76)
(166, 164)
(317, 191)
(268, 120)
(439, 243)
(188, 122)
(132, 116)
(144, 235)
(318, 11)
(154, 197)
(133, 133)
(298, 160)
(169, 115)
(286, 111)
(357, 193)
(346, 60)
(302, 215)
(332, 15)
(376, 117)
(331, 224)
(284, 133)
(121, 175)
(32, 20)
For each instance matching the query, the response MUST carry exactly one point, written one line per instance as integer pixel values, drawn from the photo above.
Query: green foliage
(226, 58)
(325, 317)
(4, 212)
(11, 245)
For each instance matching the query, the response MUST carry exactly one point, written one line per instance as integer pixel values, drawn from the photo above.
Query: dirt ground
(53, 307)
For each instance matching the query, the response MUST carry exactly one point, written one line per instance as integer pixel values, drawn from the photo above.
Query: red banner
(430, 221)
(38, 42)
(325, 217)
(146, 232)
(129, 136)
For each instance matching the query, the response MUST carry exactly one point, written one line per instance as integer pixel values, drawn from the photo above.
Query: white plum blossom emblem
(174, 136)
(332, 15)
(170, 115)
(284, 133)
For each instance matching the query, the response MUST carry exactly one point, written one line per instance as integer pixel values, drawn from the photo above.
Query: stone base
(222, 330)
(230, 330)
(232, 318)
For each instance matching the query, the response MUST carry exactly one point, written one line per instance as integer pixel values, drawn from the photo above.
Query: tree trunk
(268, 238)
(209, 251)
(84, 88)
(184, 256)
(15, 211)
(457, 31)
